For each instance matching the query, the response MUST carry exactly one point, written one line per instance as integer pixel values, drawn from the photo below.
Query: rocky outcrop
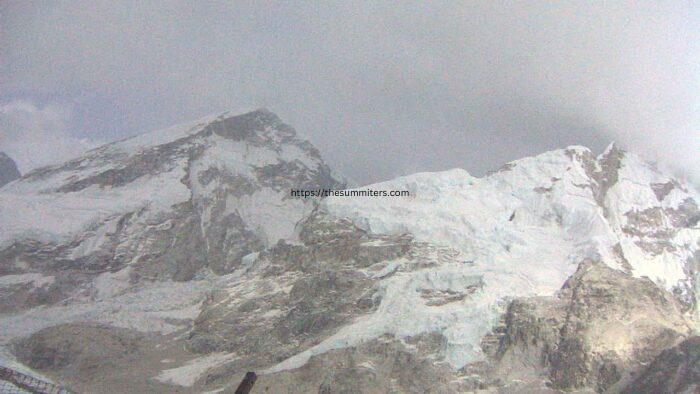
(385, 365)
(8, 169)
(601, 325)
(177, 260)
(602, 330)
(298, 294)
(602, 171)
(675, 370)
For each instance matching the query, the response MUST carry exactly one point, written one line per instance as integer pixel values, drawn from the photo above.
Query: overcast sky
(383, 89)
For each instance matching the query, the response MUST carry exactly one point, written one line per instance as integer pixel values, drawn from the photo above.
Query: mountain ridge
(191, 231)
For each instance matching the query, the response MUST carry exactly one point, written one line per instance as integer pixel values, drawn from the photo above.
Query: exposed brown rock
(601, 324)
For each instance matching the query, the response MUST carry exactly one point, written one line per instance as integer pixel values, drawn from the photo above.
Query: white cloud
(36, 137)
(380, 88)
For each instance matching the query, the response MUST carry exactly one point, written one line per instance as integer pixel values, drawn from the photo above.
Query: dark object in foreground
(11, 381)
(247, 383)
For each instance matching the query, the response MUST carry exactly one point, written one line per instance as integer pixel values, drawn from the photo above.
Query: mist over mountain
(383, 90)
(357, 197)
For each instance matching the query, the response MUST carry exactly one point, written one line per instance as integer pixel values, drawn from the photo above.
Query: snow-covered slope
(191, 232)
(523, 230)
(222, 182)
(83, 241)
(614, 207)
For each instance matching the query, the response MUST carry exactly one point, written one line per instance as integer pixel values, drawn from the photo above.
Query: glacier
(524, 230)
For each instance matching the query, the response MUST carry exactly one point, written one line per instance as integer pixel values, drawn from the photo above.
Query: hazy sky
(383, 89)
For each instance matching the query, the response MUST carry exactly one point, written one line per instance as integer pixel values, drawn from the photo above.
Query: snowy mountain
(526, 228)
(178, 260)
(202, 194)
(133, 232)
(8, 169)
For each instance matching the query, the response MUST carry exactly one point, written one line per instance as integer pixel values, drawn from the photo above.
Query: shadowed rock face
(298, 294)
(602, 324)
(384, 365)
(286, 298)
(675, 370)
(8, 169)
(603, 171)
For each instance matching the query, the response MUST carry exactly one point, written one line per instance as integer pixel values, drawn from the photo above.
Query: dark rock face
(301, 294)
(151, 161)
(675, 370)
(602, 171)
(602, 324)
(385, 365)
(298, 294)
(8, 169)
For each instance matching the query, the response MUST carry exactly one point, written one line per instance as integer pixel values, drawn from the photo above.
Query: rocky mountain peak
(175, 201)
(600, 326)
(8, 169)
(260, 125)
(565, 268)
